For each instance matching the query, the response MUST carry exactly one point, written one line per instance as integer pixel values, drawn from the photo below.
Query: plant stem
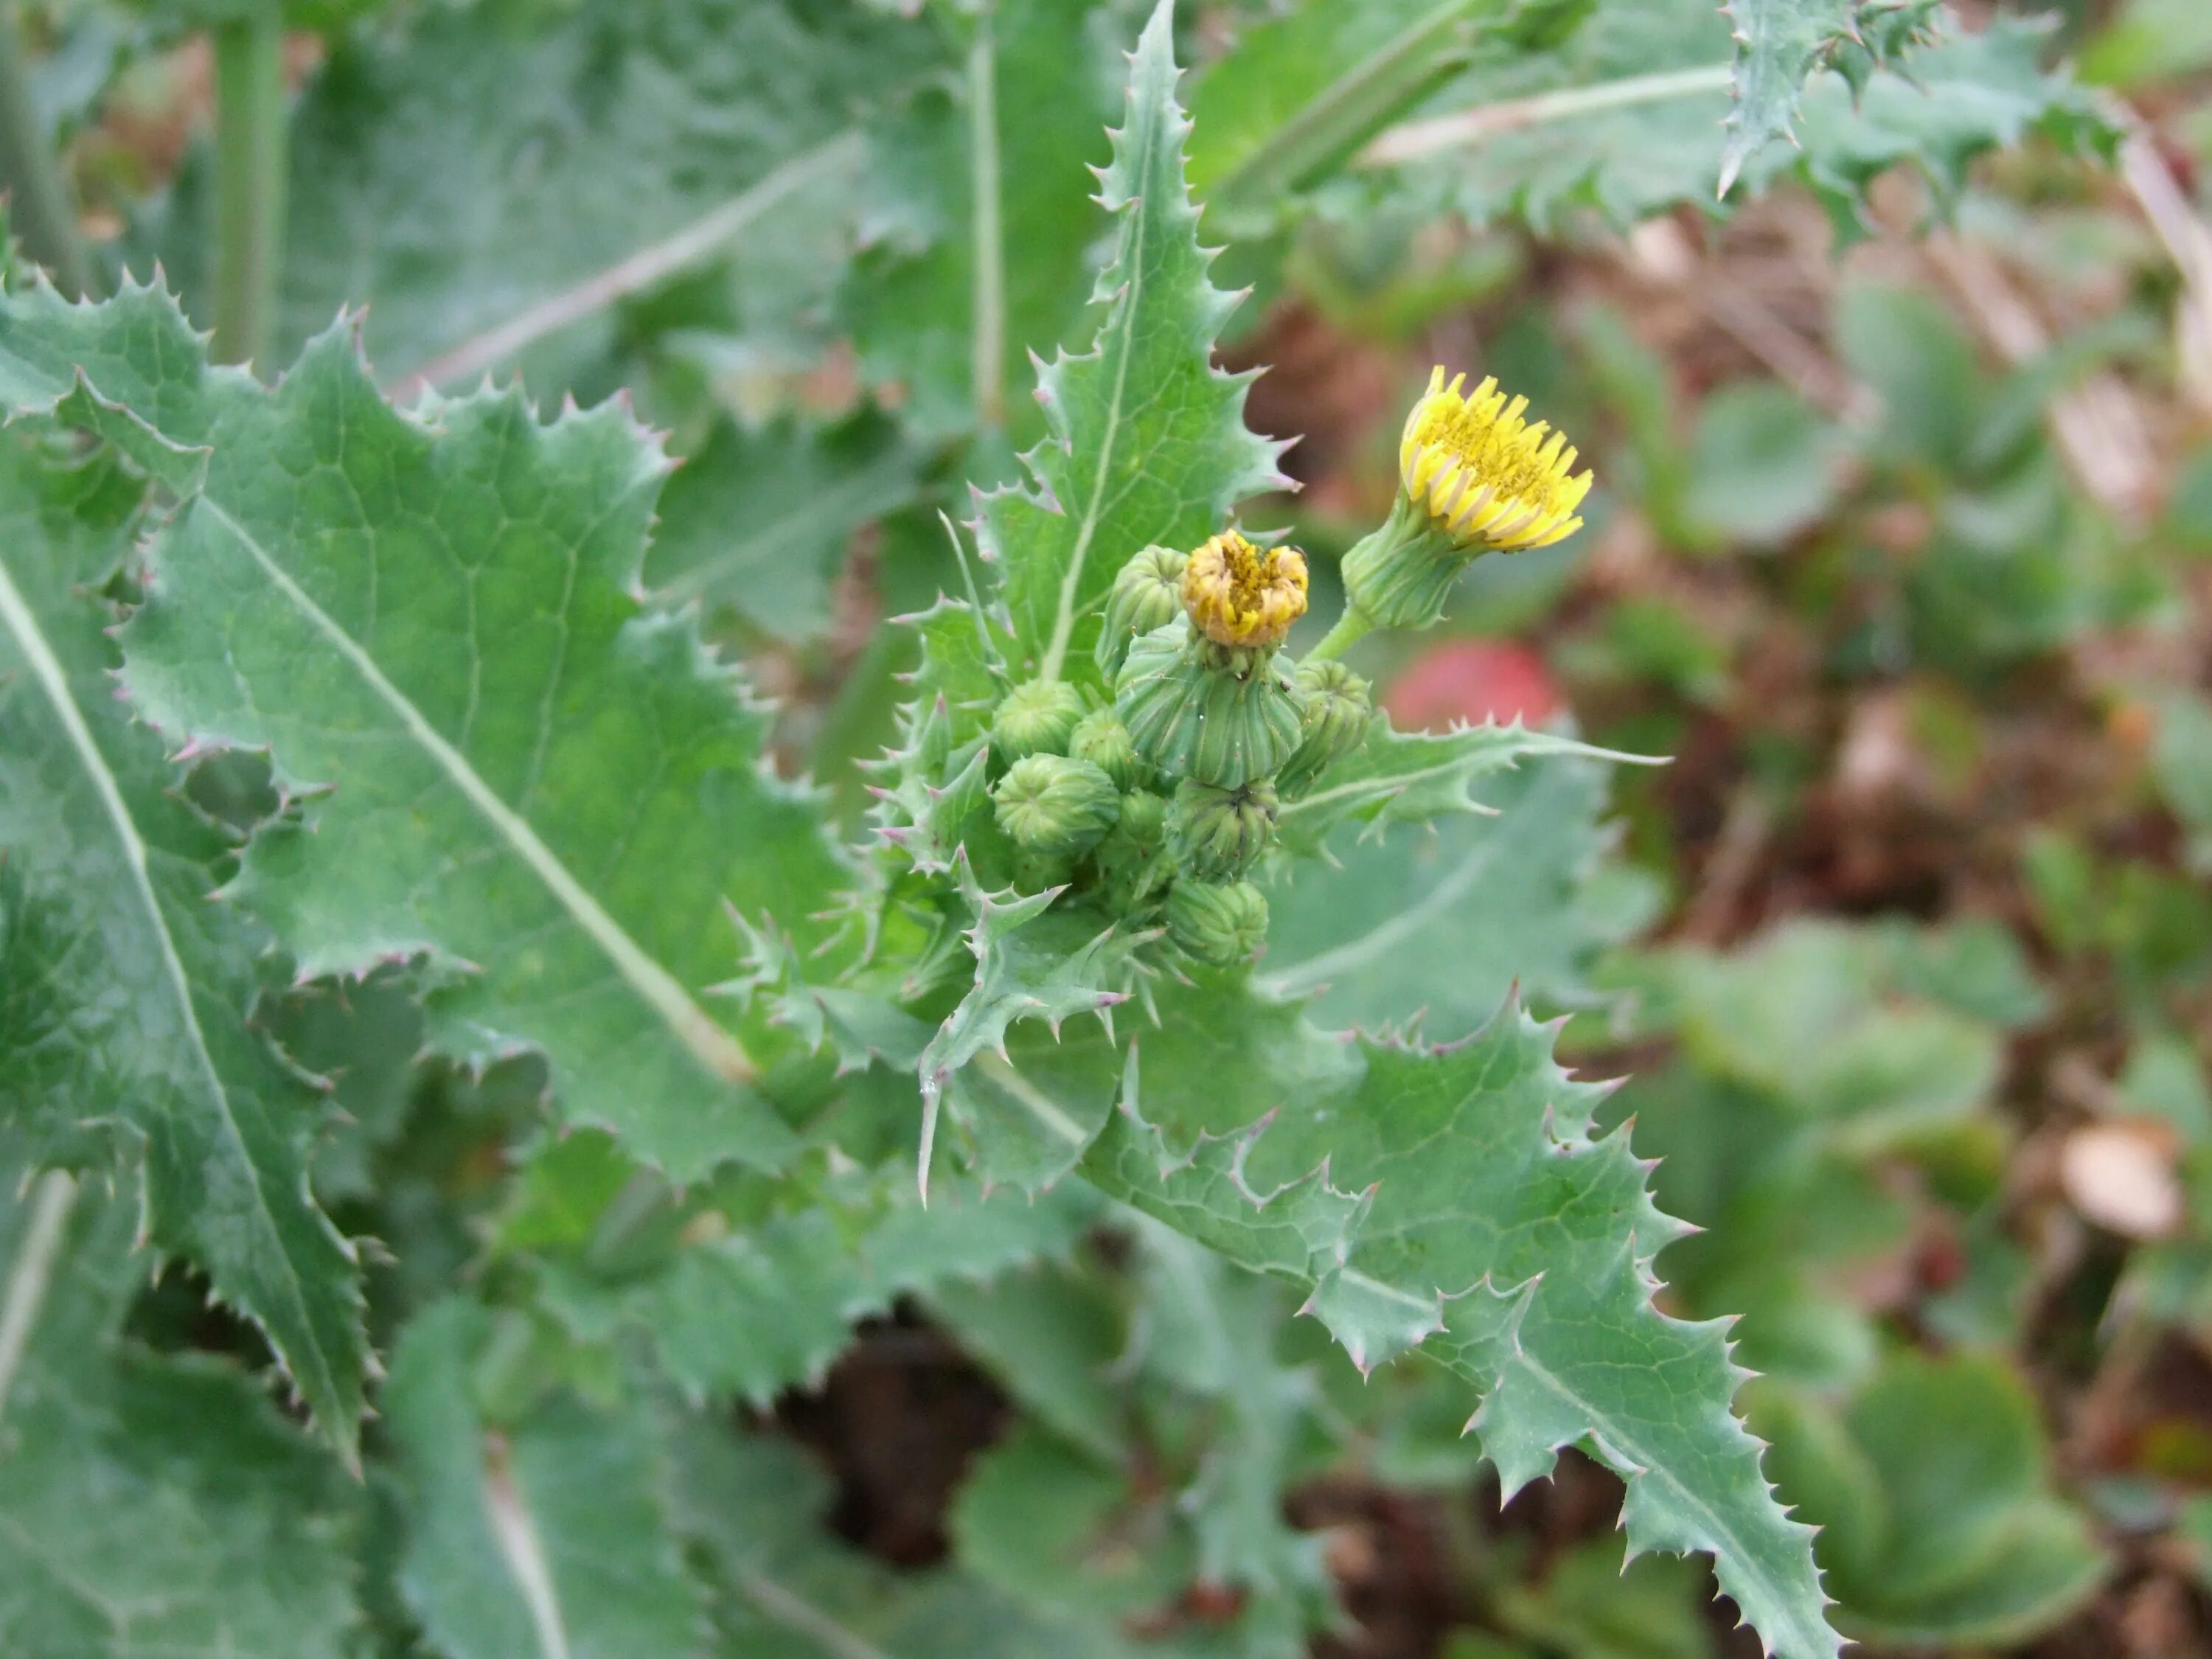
(1416, 139)
(1351, 628)
(250, 167)
(44, 215)
(988, 363)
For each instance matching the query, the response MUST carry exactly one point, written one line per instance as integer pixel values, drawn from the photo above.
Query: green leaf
(1033, 964)
(760, 522)
(484, 177)
(1779, 44)
(1763, 465)
(548, 1537)
(1301, 90)
(1413, 777)
(125, 994)
(1441, 921)
(1146, 441)
(1494, 1228)
(1051, 1527)
(1052, 1335)
(987, 250)
(503, 760)
(1811, 1012)
(768, 1306)
(1621, 119)
(1932, 1486)
(787, 1591)
(1593, 1605)
(151, 1505)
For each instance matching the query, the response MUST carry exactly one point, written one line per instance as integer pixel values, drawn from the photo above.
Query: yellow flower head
(1486, 476)
(1241, 595)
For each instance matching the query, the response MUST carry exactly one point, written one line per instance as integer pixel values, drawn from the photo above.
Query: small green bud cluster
(1161, 804)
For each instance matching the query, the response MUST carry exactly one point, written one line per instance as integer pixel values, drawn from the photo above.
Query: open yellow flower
(1484, 476)
(1237, 594)
(1475, 477)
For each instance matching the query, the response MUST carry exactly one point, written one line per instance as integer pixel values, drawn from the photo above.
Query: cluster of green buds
(1215, 718)
(1164, 801)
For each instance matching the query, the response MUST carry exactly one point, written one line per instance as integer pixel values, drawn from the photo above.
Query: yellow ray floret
(1239, 594)
(1484, 476)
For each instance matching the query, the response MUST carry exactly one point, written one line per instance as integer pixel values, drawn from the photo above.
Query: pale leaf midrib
(53, 682)
(709, 1043)
(1418, 913)
(1132, 261)
(700, 239)
(30, 1273)
(786, 529)
(803, 1618)
(515, 1532)
(1649, 1466)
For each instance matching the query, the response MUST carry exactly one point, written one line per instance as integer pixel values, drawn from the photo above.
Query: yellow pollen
(1239, 594)
(1483, 474)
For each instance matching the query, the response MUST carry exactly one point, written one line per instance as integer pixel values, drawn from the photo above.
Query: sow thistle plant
(519, 811)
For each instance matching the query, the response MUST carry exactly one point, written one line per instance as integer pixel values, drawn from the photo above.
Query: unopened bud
(1132, 860)
(1036, 718)
(1222, 715)
(1215, 834)
(1335, 707)
(1101, 739)
(1147, 593)
(1221, 924)
(1053, 807)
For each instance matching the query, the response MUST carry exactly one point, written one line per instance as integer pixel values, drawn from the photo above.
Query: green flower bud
(1337, 708)
(1132, 860)
(1037, 719)
(1147, 593)
(1053, 807)
(1144, 818)
(1215, 834)
(1221, 924)
(1101, 739)
(1221, 714)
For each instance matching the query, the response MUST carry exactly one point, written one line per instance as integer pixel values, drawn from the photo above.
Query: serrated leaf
(1033, 963)
(1413, 777)
(1146, 441)
(770, 1306)
(1621, 120)
(1442, 921)
(124, 993)
(548, 789)
(548, 1537)
(1779, 44)
(149, 1504)
(1516, 1246)
(484, 177)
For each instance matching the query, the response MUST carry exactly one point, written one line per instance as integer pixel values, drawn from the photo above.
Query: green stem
(250, 167)
(1351, 628)
(988, 363)
(38, 196)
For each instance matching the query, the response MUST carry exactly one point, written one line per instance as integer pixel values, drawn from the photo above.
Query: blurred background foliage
(1902, 551)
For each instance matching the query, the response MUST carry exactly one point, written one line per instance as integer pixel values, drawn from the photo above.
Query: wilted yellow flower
(1237, 594)
(1486, 476)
